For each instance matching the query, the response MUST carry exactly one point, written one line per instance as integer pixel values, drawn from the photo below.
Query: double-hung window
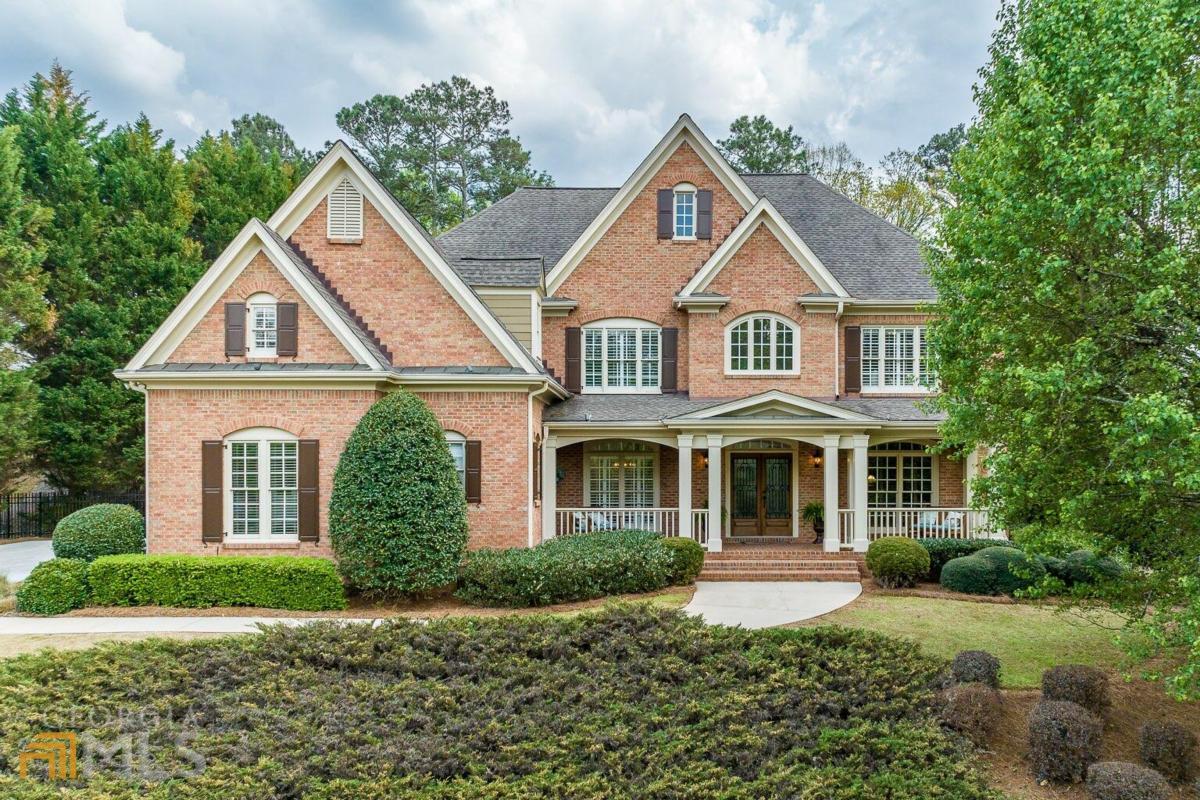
(263, 329)
(763, 344)
(685, 211)
(895, 358)
(622, 356)
(458, 453)
(262, 489)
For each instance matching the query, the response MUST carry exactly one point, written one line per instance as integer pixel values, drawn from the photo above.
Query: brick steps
(760, 568)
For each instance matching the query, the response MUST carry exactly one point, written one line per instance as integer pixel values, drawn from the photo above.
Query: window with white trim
(685, 211)
(344, 212)
(895, 358)
(763, 344)
(621, 474)
(622, 356)
(900, 475)
(458, 452)
(261, 488)
(262, 311)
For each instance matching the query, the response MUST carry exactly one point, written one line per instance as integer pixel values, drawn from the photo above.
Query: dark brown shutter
(853, 358)
(666, 212)
(212, 504)
(670, 359)
(704, 214)
(285, 329)
(235, 329)
(474, 471)
(574, 360)
(309, 485)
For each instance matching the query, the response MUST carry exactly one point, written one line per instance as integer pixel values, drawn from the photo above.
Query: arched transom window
(263, 312)
(762, 344)
(685, 211)
(261, 485)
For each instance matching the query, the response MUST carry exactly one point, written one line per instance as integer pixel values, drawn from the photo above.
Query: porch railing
(919, 523)
(588, 520)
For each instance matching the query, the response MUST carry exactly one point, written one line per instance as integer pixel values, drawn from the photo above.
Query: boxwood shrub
(897, 562)
(992, 570)
(54, 587)
(967, 574)
(688, 557)
(106, 529)
(579, 567)
(1084, 567)
(289, 582)
(943, 550)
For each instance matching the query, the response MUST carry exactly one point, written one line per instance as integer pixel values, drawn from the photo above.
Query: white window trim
(683, 188)
(900, 455)
(749, 318)
(261, 300)
(263, 437)
(456, 438)
(618, 324)
(919, 343)
(590, 450)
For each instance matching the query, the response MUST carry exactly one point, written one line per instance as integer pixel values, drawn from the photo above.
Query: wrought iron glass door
(762, 494)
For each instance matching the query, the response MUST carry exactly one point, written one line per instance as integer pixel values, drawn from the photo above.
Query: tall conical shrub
(397, 514)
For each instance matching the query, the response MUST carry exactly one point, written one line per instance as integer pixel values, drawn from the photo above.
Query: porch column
(859, 481)
(832, 519)
(714, 493)
(685, 485)
(549, 486)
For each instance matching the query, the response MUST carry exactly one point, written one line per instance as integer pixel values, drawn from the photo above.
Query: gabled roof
(763, 213)
(776, 400)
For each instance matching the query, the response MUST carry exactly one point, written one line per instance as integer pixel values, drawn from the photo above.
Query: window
(458, 452)
(621, 356)
(895, 358)
(344, 212)
(262, 491)
(621, 474)
(685, 211)
(900, 475)
(761, 345)
(263, 328)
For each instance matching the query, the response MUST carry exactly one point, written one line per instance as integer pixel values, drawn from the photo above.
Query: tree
(936, 158)
(901, 194)
(269, 138)
(1068, 327)
(843, 171)
(507, 169)
(759, 145)
(397, 512)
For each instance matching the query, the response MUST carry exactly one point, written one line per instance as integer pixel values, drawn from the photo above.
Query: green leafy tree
(755, 144)
(901, 194)
(397, 513)
(269, 138)
(1068, 326)
(507, 169)
(936, 159)
(844, 172)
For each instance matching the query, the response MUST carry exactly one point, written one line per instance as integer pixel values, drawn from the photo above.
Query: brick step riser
(782, 577)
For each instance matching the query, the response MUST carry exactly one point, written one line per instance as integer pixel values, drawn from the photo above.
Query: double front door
(762, 494)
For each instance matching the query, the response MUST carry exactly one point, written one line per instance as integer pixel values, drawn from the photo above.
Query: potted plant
(814, 512)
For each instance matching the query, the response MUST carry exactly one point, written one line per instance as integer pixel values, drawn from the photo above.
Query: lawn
(628, 702)
(1026, 638)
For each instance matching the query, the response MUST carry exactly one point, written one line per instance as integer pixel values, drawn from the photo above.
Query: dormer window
(264, 328)
(344, 219)
(685, 211)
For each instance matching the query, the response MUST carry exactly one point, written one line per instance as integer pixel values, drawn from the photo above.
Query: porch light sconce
(870, 477)
(704, 460)
(817, 458)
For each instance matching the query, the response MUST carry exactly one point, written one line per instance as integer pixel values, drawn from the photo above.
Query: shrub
(106, 529)
(943, 550)
(1119, 780)
(897, 562)
(1064, 739)
(967, 574)
(1168, 747)
(291, 582)
(1076, 683)
(1084, 567)
(688, 559)
(54, 587)
(397, 514)
(972, 709)
(976, 666)
(579, 567)
(1012, 569)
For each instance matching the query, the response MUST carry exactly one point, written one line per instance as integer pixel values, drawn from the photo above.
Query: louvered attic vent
(345, 213)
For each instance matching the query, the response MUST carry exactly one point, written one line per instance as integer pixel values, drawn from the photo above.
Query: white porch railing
(700, 526)
(588, 520)
(919, 523)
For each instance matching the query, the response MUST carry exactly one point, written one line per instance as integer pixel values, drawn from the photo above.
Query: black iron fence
(36, 514)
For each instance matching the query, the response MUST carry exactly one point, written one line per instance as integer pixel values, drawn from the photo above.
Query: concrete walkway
(34, 626)
(18, 560)
(765, 604)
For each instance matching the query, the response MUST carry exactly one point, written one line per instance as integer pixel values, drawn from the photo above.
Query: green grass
(1026, 638)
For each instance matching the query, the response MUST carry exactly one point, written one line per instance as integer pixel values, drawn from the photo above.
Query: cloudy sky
(592, 84)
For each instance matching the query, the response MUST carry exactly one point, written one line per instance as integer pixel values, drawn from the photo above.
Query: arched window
(344, 216)
(262, 309)
(621, 356)
(458, 451)
(261, 484)
(762, 344)
(685, 211)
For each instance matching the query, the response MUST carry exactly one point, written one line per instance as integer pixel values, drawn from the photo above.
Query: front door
(762, 494)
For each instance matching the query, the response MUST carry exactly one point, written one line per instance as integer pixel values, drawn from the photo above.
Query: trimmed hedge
(1120, 780)
(1064, 740)
(579, 567)
(992, 570)
(1084, 567)
(972, 709)
(1077, 683)
(54, 587)
(106, 529)
(688, 557)
(897, 562)
(1168, 747)
(290, 582)
(967, 574)
(942, 551)
(976, 666)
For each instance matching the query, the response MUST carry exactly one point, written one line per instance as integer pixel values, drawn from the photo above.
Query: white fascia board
(684, 130)
(776, 396)
(765, 213)
(252, 239)
(306, 197)
(771, 426)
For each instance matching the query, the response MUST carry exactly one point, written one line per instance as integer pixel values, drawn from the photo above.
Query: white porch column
(714, 493)
(859, 481)
(832, 519)
(685, 485)
(970, 473)
(549, 487)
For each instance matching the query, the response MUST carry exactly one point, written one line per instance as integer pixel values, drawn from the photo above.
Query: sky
(592, 84)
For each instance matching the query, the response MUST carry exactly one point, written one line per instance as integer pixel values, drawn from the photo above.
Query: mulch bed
(934, 591)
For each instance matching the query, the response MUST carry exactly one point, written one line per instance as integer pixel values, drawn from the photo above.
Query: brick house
(692, 341)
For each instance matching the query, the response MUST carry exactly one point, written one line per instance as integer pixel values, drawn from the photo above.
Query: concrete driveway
(765, 604)
(18, 560)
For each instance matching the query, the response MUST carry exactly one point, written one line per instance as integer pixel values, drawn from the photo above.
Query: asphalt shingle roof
(654, 408)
